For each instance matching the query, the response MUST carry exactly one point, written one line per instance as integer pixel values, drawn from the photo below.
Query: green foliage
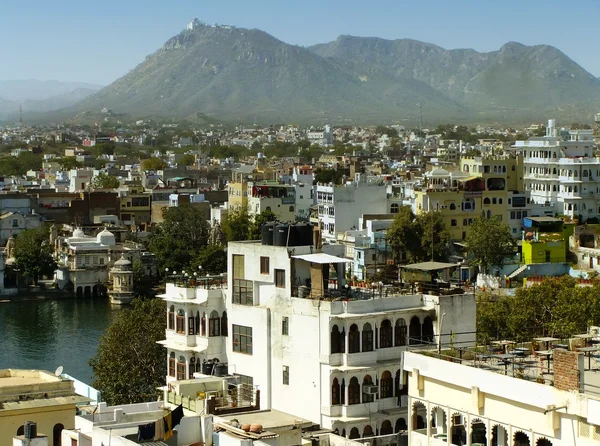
(18, 166)
(236, 226)
(417, 237)
(177, 240)
(389, 131)
(153, 164)
(489, 242)
(104, 181)
(234, 151)
(129, 365)
(255, 230)
(33, 253)
(187, 160)
(212, 259)
(326, 176)
(142, 283)
(69, 162)
(556, 307)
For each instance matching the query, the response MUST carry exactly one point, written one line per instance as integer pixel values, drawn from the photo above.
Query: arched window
(368, 431)
(367, 338)
(400, 425)
(503, 169)
(394, 208)
(368, 397)
(486, 200)
(513, 168)
(478, 432)
(343, 392)
(353, 391)
(354, 433)
(499, 200)
(584, 173)
(521, 439)
(543, 442)
(336, 346)
(291, 208)
(353, 339)
(172, 364)
(386, 385)
(224, 329)
(335, 392)
(203, 321)
(172, 317)
(192, 367)
(214, 324)
(452, 206)
(400, 332)
(21, 430)
(427, 330)
(197, 325)
(386, 428)
(414, 331)
(385, 334)
(576, 174)
(180, 368)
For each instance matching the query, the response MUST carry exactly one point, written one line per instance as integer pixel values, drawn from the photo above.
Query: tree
(69, 163)
(417, 237)
(556, 307)
(130, 372)
(104, 181)
(177, 240)
(187, 160)
(33, 253)
(255, 230)
(143, 284)
(212, 259)
(153, 164)
(489, 242)
(236, 226)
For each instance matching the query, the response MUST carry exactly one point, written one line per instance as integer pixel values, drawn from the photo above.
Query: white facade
(334, 362)
(79, 179)
(560, 169)
(340, 207)
(12, 223)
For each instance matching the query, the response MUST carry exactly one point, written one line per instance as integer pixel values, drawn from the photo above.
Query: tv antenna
(58, 371)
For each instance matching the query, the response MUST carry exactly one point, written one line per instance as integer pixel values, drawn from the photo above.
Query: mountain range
(231, 73)
(35, 96)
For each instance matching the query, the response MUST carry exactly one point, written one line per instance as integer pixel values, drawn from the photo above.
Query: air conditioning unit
(370, 390)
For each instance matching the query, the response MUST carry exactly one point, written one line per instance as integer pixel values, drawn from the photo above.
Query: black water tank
(280, 234)
(267, 233)
(220, 369)
(30, 429)
(304, 234)
(207, 368)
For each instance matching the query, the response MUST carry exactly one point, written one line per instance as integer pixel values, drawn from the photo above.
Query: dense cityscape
(422, 274)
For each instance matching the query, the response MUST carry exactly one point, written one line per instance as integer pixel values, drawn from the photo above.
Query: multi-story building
(302, 180)
(288, 325)
(524, 397)
(272, 196)
(136, 209)
(340, 206)
(560, 169)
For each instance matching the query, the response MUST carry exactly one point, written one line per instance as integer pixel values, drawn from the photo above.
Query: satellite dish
(59, 370)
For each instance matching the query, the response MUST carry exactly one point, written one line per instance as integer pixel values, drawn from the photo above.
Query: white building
(561, 170)
(340, 207)
(273, 196)
(79, 179)
(302, 180)
(287, 325)
(12, 223)
(485, 402)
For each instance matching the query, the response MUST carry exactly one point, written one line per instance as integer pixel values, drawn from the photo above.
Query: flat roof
(544, 219)
(271, 420)
(321, 258)
(18, 377)
(430, 266)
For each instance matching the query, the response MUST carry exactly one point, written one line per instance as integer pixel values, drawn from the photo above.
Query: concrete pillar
(428, 418)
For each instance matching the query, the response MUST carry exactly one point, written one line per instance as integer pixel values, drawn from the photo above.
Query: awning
(430, 266)
(321, 258)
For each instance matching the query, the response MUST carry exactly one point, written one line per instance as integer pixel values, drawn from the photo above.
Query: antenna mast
(21, 115)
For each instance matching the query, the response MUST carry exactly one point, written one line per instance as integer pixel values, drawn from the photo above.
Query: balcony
(361, 359)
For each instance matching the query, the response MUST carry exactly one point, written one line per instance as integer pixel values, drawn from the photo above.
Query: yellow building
(136, 209)
(484, 187)
(237, 188)
(39, 396)
(545, 240)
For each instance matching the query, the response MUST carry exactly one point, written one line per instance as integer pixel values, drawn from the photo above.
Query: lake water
(45, 334)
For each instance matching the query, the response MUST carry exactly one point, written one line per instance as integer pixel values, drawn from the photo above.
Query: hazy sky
(100, 41)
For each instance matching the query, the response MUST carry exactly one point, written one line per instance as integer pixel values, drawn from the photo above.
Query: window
(264, 265)
(242, 339)
(367, 338)
(285, 326)
(172, 364)
(286, 375)
(385, 334)
(367, 396)
(181, 368)
(171, 324)
(191, 326)
(400, 333)
(386, 385)
(353, 339)
(203, 324)
(224, 330)
(214, 324)
(180, 322)
(291, 208)
(242, 292)
(280, 278)
(192, 367)
(394, 208)
(238, 267)
(15, 223)
(335, 392)
(353, 391)
(453, 222)
(336, 344)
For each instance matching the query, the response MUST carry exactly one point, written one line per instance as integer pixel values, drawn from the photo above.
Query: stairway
(517, 272)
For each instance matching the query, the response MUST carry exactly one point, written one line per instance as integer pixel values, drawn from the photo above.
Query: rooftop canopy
(430, 266)
(321, 258)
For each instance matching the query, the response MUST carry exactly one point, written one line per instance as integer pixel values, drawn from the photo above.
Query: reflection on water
(44, 334)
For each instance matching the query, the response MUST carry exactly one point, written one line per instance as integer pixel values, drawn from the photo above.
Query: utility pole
(420, 117)
(20, 115)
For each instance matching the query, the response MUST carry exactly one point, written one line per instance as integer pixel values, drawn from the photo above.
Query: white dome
(106, 238)
(78, 233)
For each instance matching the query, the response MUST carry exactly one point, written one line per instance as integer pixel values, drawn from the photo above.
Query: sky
(98, 42)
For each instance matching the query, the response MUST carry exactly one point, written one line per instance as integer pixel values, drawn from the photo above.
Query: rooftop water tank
(267, 233)
(220, 369)
(30, 429)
